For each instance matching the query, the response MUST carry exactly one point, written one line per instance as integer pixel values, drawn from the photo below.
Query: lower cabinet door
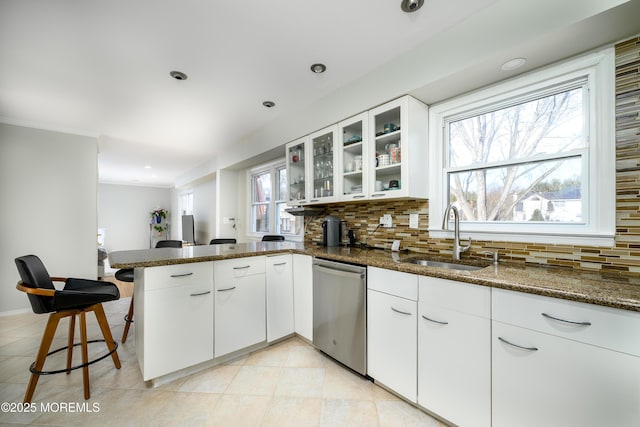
(178, 328)
(240, 319)
(279, 296)
(544, 380)
(392, 342)
(454, 365)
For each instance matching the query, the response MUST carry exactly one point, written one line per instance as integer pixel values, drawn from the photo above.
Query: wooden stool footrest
(59, 371)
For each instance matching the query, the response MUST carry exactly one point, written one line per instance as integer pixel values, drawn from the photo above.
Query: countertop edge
(480, 277)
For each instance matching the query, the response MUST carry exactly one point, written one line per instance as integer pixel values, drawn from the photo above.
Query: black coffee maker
(331, 231)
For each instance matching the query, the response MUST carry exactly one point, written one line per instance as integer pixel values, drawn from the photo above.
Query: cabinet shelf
(388, 136)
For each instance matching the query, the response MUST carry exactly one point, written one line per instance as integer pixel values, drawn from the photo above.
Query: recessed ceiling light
(512, 64)
(411, 5)
(178, 75)
(318, 68)
(269, 104)
(147, 167)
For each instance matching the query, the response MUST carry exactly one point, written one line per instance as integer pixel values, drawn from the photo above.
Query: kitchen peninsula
(499, 330)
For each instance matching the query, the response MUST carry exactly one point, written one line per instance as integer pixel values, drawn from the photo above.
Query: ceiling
(102, 67)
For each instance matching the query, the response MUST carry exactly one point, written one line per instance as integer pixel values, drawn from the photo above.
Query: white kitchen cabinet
(353, 159)
(174, 317)
(297, 153)
(322, 146)
(565, 370)
(303, 295)
(398, 150)
(454, 350)
(392, 331)
(279, 277)
(240, 301)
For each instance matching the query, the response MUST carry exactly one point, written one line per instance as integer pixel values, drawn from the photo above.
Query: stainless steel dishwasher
(340, 312)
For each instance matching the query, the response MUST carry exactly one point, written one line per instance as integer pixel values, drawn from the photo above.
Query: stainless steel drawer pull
(401, 312)
(378, 195)
(182, 275)
(241, 268)
(434, 321)
(314, 200)
(358, 197)
(200, 293)
(226, 289)
(548, 316)
(280, 263)
(518, 346)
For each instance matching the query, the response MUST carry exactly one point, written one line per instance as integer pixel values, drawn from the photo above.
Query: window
(268, 196)
(531, 156)
(186, 203)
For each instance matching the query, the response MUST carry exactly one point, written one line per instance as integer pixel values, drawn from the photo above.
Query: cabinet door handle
(548, 316)
(314, 200)
(378, 195)
(181, 275)
(280, 263)
(241, 268)
(518, 346)
(359, 197)
(200, 293)
(434, 321)
(401, 312)
(226, 289)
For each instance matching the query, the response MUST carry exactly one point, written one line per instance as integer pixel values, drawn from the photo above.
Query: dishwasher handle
(338, 272)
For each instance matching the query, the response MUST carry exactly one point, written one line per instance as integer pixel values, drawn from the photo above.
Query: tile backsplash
(623, 258)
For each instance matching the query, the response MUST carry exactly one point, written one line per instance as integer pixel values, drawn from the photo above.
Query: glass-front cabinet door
(297, 155)
(398, 149)
(353, 161)
(322, 147)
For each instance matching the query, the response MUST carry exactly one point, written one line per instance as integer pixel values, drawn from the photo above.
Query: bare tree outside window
(514, 162)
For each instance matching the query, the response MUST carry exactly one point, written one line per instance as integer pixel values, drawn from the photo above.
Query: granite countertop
(611, 291)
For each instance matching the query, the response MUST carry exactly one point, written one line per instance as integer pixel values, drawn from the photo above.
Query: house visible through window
(532, 156)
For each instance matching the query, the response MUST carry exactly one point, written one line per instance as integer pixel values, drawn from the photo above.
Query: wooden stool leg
(128, 320)
(106, 332)
(85, 354)
(72, 328)
(47, 338)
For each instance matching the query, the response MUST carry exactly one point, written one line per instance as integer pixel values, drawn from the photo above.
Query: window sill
(548, 239)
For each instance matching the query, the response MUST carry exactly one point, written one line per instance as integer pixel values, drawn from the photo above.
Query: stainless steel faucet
(457, 249)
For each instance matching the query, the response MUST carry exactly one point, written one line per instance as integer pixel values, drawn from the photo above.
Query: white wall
(227, 198)
(123, 212)
(48, 186)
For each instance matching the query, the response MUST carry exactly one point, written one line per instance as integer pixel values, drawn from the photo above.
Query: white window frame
(272, 168)
(598, 190)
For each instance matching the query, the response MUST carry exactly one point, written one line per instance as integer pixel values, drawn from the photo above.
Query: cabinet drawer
(391, 282)
(169, 276)
(239, 267)
(592, 324)
(462, 297)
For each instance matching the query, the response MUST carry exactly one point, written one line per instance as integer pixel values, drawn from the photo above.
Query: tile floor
(288, 384)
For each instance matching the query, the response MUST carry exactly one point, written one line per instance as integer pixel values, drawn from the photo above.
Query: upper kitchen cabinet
(353, 161)
(398, 150)
(323, 160)
(297, 170)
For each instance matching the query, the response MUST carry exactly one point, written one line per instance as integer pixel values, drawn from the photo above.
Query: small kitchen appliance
(331, 231)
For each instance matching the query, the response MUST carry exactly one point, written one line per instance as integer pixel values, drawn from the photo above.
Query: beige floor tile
(345, 412)
(239, 411)
(188, 409)
(276, 356)
(300, 382)
(305, 357)
(339, 383)
(400, 414)
(293, 412)
(255, 380)
(213, 380)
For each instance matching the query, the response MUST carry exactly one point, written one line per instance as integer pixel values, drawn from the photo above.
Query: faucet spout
(457, 248)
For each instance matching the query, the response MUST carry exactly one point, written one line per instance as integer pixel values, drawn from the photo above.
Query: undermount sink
(447, 265)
